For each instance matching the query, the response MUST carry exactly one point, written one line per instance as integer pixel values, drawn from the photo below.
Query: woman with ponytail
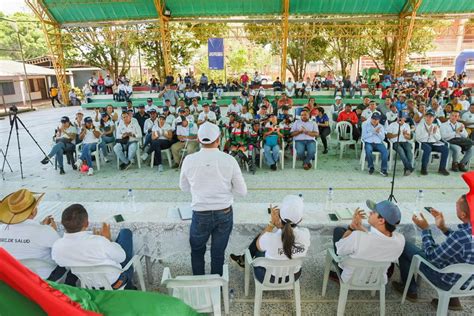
(282, 238)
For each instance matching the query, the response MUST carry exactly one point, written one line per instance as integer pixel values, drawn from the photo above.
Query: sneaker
(90, 172)
(454, 304)
(310, 165)
(106, 160)
(444, 172)
(424, 172)
(125, 166)
(384, 173)
(371, 171)
(78, 164)
(74, 167)
(325, 151)
(61, 171)
(305, 166)
(399, 287)
(407, 173)
(45, 160)
(160, 168)
(240, 260)
(144, 156)
(462, 167)
(273, 167)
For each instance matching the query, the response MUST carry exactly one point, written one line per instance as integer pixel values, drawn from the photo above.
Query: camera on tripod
(14, 109)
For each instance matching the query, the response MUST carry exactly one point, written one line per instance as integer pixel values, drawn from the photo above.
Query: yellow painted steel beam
(284, 39)
(165, 36)
(406, 24)
(52, 32)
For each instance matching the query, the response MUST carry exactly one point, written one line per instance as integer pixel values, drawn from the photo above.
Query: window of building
(7, 88)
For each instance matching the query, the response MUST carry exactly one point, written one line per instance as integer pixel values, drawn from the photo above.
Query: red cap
(469, 179)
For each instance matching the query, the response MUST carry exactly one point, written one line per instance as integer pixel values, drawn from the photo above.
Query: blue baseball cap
(388, 210)
(376, 116)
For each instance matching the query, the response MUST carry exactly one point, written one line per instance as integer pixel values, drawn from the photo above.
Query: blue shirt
(370, 135)
(457, 248)
(400, 106)
(322, 119)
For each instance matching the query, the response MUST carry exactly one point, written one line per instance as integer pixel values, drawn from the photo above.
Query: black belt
(225, 210)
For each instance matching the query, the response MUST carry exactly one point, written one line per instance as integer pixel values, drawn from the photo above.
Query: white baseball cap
(208, 133)
(292, 209)
(338, 98)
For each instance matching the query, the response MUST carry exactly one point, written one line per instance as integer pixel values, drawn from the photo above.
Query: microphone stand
(391, 197)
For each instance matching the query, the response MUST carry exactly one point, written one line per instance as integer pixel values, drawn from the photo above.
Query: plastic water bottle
(131, 201)
(231, 295)
(419, 201)
(301, 196)
(329, 200)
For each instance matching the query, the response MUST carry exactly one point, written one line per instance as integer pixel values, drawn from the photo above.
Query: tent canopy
(462, 59)
(77, 11)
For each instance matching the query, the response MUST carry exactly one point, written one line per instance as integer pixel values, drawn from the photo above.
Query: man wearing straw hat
(22, 236)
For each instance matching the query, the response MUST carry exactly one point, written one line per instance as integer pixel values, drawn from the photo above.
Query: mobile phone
(119, 218)
(333, 217)
(428, 208)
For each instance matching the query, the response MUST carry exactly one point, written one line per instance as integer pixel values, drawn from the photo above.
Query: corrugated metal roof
(10, 68)
(71, 11)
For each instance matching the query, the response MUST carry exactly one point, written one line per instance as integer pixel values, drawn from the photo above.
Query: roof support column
(52, 32)
(284, 39)
(405, 31)
(165, 37)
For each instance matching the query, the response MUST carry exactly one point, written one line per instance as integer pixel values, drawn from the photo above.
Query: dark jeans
(405, 261)
(57, 100)
(59, 149)
(404, 150)
(260, 271)
(428, 148)
(205, 224)
(370, 148)
(59, 272)
(125, 240)
(157, 146)
(323, 133)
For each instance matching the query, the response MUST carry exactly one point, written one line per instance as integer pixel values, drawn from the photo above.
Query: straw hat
(18, 206)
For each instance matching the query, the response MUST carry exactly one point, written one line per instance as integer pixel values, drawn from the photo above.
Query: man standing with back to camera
(212, 177)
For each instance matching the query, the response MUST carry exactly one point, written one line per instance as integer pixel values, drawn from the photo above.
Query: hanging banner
(215, 49)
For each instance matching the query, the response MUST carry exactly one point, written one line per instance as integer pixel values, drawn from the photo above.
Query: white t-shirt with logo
(272, 244)
(161, 130)
(29, 240)
(90, 138)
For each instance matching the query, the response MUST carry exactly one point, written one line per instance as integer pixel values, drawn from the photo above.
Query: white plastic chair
(367, 276)
(168, 156)
(465, 271)
(363, 156)
(315, 164)
(392, 155)
(137, 157)
(281, 270)
(96, 152)
(282, 155)
(201, 292)
(344, 137)
(93, 277)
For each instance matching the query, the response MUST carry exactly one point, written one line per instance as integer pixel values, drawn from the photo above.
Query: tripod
(14, 120)
(391, 197)
(5, 157)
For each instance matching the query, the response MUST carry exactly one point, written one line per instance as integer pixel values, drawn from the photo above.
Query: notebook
(185, 212)
(344, 214)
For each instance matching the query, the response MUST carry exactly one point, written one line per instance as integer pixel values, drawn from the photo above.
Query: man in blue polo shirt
(373, 134)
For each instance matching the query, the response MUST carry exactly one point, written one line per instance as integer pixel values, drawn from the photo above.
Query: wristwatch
(349, 228)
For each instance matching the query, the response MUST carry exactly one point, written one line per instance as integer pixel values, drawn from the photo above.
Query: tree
(382, 45)
(304, 44)
(110, 48)
(31, 36)
(186, 38)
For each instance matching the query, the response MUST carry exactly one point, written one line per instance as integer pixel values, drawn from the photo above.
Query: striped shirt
(457, 248)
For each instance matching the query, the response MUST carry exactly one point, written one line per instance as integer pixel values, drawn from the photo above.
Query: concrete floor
(350, 185)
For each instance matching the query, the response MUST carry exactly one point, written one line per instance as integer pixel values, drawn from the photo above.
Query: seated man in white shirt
(187, 136)
(206, 115)
(379, 243)
(429, 135)
(128, 136)
(401, 143)
(24, 237)
(89, 135)
(282, 239)
(234, 107)
(82, 248)
(367, 113)
(373, 135)
(455, 134)
(304, 133)
(468, 120)
(290, 88)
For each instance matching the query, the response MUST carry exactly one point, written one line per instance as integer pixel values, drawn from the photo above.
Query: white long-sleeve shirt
(132, 127)
(212, 177)
(84, 249)
(427, 134)
(449, 130)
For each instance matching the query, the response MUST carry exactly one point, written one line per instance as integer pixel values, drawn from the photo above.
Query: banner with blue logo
(215, 48)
